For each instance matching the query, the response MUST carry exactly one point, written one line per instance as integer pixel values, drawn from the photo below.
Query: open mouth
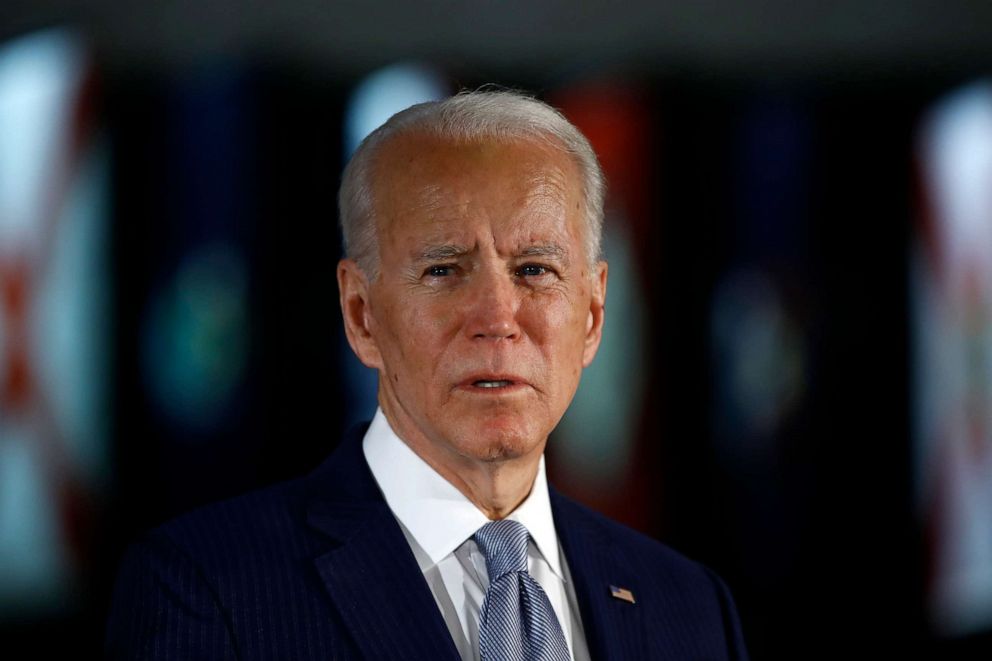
(492, 384)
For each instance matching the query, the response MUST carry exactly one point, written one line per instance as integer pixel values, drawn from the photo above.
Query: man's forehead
(430, 192)
(528, 229)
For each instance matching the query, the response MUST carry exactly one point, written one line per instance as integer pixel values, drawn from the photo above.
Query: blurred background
(795, 385)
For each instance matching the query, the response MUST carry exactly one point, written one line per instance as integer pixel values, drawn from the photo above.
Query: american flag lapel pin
(622, 594)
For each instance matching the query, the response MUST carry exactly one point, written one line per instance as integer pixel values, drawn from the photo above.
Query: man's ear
(353, 290)
(597, 312)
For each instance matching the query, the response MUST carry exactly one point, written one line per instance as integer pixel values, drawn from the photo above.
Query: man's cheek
(420, 320)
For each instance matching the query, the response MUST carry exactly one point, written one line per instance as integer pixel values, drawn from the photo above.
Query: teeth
(492, 384)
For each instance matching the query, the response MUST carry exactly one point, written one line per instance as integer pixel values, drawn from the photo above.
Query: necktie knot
(517, 622)
(504, 544)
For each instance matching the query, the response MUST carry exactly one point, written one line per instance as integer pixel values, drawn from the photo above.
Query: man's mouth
(492, 384)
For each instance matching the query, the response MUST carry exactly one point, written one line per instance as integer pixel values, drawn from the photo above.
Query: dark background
(773, 138)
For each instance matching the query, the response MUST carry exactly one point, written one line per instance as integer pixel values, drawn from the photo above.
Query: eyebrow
(552, 250)
(435, 253)
(450, 251)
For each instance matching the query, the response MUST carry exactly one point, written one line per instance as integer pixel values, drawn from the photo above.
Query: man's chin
(495, 442)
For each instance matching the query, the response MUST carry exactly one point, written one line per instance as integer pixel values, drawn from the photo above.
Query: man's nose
(493, 309)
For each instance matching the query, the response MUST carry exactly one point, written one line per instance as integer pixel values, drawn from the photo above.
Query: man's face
(484, 311)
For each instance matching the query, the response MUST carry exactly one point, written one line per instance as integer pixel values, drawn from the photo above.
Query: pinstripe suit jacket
(318, 568)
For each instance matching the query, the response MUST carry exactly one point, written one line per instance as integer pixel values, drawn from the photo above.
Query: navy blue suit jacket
(318, 568)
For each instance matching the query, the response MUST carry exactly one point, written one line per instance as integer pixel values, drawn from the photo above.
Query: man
(474, 285)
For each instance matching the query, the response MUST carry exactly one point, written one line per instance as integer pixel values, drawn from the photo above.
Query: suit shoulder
(237, 527)
(268, 525)
(641, 550)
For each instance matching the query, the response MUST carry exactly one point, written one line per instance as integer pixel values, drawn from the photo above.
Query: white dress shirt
(439, 522)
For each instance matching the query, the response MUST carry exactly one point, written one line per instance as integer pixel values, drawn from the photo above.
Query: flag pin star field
(622, 593)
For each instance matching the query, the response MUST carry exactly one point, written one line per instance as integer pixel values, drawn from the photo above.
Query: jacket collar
(613, 627)
(369, 571)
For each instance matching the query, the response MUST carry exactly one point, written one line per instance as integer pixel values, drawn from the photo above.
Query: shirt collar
(439, 516)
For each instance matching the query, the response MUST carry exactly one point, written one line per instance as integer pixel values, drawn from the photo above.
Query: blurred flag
(952, 296)
(54, 319)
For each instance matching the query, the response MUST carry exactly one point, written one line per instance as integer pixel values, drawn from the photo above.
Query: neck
(495, 486)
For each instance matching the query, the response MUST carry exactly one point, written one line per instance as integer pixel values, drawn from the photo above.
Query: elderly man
(474, 285)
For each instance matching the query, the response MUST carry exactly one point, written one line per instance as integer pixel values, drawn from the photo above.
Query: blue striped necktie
(517, 622)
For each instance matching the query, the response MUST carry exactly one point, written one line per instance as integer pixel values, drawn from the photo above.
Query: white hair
(500, 116)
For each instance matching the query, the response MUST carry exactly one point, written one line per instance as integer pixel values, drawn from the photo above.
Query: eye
(532, 270)
(439, 270)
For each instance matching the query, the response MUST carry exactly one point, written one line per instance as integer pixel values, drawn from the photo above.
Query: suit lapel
(613, 627)
(370, 572)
